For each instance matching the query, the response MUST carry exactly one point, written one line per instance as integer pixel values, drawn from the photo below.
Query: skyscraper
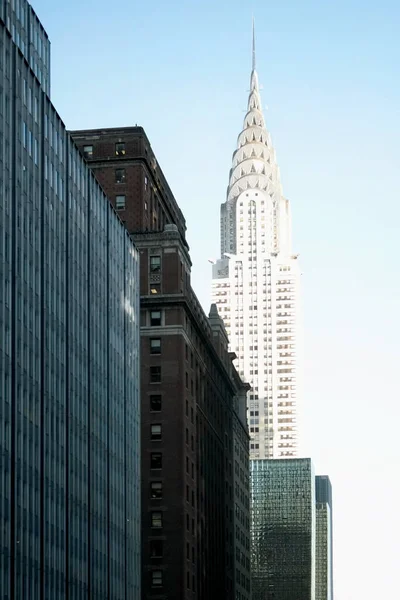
(283, 529)
(324, 537)
(256, 285)
(69, 350)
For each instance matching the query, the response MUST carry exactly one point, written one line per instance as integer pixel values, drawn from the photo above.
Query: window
(155, 460)
(155, 264)
(156, 548)
(156, 519)
(155, 403)
(155, 374)
(156, 490)
(88, 151)
(120, 149)
(155, 346)
(120, 176)
(155, 432)
(156, 579)
(155, 318)
(120, 202)
(155, 288)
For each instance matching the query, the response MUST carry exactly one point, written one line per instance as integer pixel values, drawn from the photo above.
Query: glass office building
(69, 338)
(283, 529)
(323, 548)
(29, 36)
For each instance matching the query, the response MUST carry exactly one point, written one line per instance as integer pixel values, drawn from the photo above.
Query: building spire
(253, 66)
(254, 163)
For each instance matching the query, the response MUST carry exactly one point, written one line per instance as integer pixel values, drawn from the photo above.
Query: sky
(331, 92)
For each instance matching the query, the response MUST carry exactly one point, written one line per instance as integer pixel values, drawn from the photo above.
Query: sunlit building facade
(69, 351)
(255, 286)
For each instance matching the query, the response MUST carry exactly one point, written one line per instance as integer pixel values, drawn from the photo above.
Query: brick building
(125, 165)
(195, 483)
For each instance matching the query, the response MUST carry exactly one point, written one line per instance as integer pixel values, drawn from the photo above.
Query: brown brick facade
(189, 392)
(149, 202)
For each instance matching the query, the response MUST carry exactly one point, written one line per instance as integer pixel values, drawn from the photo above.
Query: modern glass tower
(256, 286)
(323, 550)
(69, 379)
(283, 529)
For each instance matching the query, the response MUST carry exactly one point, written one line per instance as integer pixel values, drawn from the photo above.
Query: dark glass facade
(324, 539)
(283, 529)
(69, 338)
(323, 490)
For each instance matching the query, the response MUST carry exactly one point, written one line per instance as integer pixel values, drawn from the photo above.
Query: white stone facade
(256, 287)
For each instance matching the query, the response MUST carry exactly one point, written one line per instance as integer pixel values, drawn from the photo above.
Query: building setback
(195, 473)
(69, 346)
(255, 285)
(283, 529)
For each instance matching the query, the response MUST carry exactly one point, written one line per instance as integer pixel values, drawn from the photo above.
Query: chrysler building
(256, 286)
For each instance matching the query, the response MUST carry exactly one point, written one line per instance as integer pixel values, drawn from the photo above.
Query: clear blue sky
(330, 76)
